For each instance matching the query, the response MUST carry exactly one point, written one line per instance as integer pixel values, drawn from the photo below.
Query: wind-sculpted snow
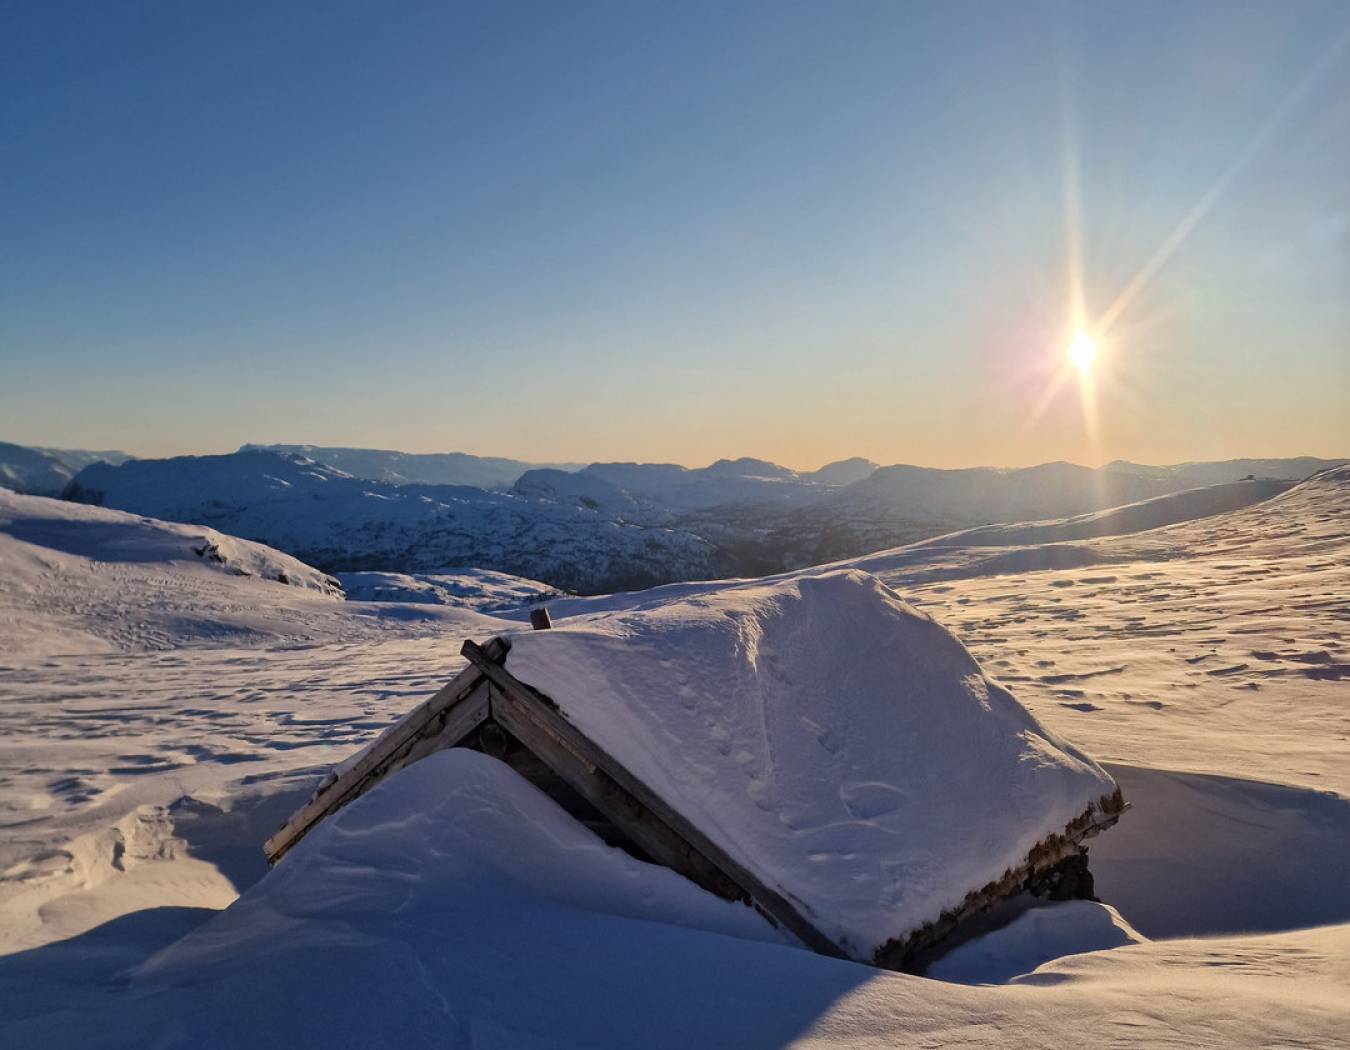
(456, 906)
(1035, 937)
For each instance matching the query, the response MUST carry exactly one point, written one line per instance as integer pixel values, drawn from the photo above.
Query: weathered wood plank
(388, 748)
(661, 830)
(618, 806)
(434, 733)
(458, 722)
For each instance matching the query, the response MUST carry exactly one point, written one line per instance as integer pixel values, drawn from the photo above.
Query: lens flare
(1082, 351)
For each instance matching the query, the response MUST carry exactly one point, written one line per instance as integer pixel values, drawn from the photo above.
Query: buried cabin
(810, 746)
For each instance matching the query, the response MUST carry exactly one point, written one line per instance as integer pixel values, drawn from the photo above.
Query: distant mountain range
(416, 468)
(610, 526)
(329, 518)
(47, 471)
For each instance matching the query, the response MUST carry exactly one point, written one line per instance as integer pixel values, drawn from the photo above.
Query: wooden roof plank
(617, 805)
(386, 749)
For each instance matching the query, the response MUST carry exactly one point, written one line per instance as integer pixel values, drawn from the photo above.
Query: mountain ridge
(606, 527)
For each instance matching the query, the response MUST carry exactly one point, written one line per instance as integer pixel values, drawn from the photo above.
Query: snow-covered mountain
(588, 491)
(47, 471)
(610, 525)
(685, 489)
(28, 470)
(842, 472)
(416, 468)
(79, 458)
(339, 522)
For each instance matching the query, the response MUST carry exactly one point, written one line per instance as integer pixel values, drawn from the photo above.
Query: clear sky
(678, 231)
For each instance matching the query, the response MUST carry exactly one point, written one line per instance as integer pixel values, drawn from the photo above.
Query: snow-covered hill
(1220, 471)
(980, 495)
(77, 578)
(1187, 505)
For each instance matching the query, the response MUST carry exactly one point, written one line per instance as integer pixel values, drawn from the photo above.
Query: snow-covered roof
(840, 745)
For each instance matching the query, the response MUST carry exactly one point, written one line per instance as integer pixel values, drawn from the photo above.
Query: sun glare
(1083, 351)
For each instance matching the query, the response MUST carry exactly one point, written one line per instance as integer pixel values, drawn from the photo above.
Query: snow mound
(456, 826)
(842, 746)
(1037, 936)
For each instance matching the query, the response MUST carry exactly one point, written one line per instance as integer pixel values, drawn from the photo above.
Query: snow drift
(843, 747)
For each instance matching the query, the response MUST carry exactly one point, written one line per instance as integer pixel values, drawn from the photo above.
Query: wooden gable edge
(899, 952)
(629, 803)
(444, 714)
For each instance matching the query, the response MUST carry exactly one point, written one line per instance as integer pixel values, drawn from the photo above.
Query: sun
(1082, 351)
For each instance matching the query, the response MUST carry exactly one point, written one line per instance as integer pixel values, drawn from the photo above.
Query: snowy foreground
(160, 714)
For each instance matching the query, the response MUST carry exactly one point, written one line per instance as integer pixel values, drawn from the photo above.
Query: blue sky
(676, 231)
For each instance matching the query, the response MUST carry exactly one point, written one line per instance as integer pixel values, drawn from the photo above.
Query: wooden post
(539, 619)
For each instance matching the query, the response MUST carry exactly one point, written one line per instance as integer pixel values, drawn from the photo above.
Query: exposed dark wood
(434, 733)
(614, 803)
(492, 740)
(573, 803)
(658, 828)
(539, 619)
(456, 723)
(900, 952)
